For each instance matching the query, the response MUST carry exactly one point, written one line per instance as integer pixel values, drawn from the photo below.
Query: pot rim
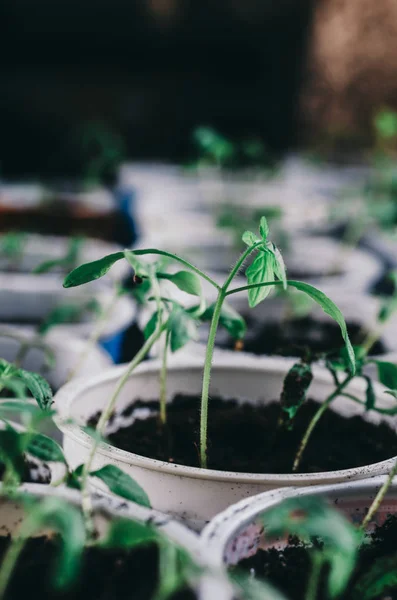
(73, 389)
(219, 531)
(119, 507)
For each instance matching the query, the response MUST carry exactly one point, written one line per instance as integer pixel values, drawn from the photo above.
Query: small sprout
(313, 518)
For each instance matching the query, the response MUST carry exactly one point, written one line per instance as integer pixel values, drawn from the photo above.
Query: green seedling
(67, 262)
(176, 568)
(332, 540)
(264, 273)
(12, 247)
(217, 150)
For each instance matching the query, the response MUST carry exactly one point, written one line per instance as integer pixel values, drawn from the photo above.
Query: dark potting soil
(294, 337)
(289, 569)
(31, 472)
(105, 574)
(246, 438)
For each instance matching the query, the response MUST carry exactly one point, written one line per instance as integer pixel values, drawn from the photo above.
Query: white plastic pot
(24, 302)
(194, 238)
(66, 350)
(69, 357)
(21, 196)
(238, 532)
(316, 257)
(194, 494)
(40, 248)
(107, 509)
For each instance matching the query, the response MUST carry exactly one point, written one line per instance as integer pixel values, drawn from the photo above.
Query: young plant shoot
(264, 273)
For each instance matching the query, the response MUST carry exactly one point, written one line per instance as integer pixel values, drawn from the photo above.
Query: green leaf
(92, 270)
(66, 519)
(151, 325)
(249, 238)
(254, 589)
(229, 319)
(185, 280)
(377, 580)
(295, 387)
(12, 451)
(140, 291)
(330, 309)
(125, 533)
(21, 406)
(264, 228)
(122, 484)
(308, 517)
(138, 266)
(261, 270)
(38, 387)
(370, 398)
(182, 327)
(279, 266)
(44, 448)
(387, 373)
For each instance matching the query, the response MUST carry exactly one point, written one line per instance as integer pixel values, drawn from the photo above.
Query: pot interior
(250, 536)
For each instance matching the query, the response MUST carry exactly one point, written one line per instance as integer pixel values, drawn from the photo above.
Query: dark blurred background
(147, 71)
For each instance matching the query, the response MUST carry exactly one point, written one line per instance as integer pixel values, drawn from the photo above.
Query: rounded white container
(195, 494)
(238, 532)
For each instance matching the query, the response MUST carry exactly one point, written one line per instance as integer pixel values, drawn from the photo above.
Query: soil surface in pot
(32, 472)
(289, 569)
(294, 337)
(105, 574)
(246, 438)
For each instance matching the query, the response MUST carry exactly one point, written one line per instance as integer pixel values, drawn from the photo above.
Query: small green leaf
(295, 387)
(92, 270)
(151, 325)
(67, 520)
(264, 228)
(140, 291)
(261, 270)
(185, 280)
(122, 484)
(279, 266)
(125, 533)
(252, 588)
(182, 327)
(44, 448)
(370, 398)
(311, 516)
(249, 238)
(38, 387)
(330, 309)
(387, 373)
(377, 580)
(12, 451)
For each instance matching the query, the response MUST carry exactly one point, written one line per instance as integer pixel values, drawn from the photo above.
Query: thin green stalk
(13, 554)
(251, 286)
(180, 260)
(316, 419)
(210, 353)
(100, 428)
(239, 264)
(373, 509)
(95, 335)
(312, 588)
(207, 377)
(163, 380)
